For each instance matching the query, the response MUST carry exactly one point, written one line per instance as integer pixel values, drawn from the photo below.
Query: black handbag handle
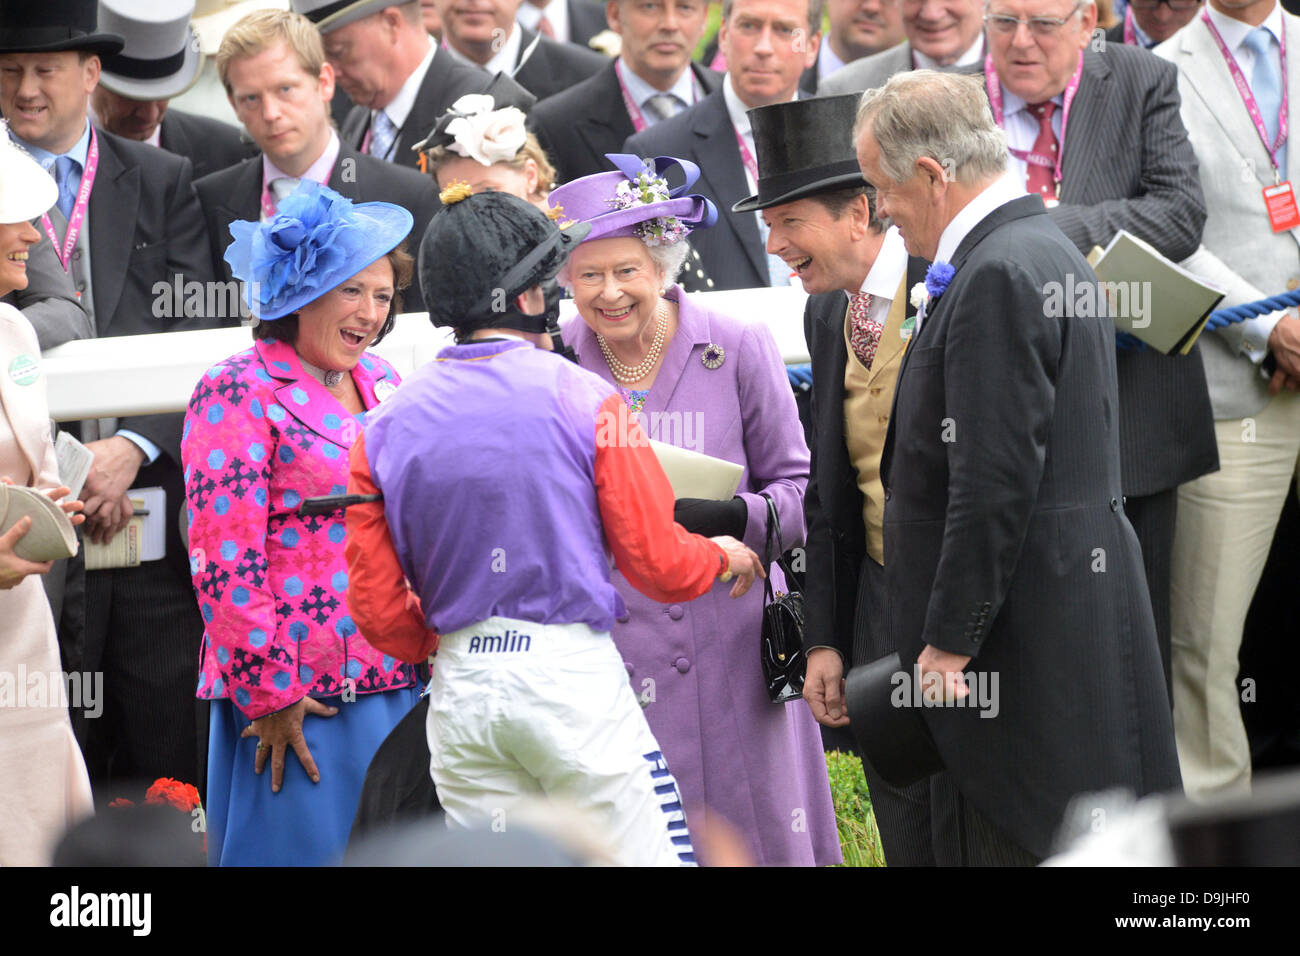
(774, 534)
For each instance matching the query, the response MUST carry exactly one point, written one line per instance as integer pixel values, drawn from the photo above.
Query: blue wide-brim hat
(596, 200)
(316, 241)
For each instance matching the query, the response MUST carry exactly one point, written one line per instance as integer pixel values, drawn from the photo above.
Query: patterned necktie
(382, 135)
(1266, 84)
(64, 167)
(864, 332)
(282, 187)
(546, 28)
(661, 105)
(1041, 179)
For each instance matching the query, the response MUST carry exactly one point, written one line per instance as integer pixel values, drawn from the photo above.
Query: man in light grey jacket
(1226, 520)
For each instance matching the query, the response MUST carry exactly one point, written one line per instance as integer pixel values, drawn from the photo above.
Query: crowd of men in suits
(1159, 143)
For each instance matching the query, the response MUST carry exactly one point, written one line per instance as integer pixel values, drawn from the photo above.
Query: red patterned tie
(1041, 179)
(864, 332)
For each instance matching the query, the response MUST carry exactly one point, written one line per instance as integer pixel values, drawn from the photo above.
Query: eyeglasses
(1180, 5)
(1038, 26)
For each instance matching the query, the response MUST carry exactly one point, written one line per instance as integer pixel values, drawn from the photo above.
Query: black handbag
(782, 638)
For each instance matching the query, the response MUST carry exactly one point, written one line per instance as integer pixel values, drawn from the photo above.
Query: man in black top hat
(126, 222)
(822, 222)
(160, 60)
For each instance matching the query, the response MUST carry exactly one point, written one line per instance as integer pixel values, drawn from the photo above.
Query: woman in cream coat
(43, 783)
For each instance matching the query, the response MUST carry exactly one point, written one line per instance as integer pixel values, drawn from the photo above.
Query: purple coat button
(676, 612)
(629, 667)
(682, 665)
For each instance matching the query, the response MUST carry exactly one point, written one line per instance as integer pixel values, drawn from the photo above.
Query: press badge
(1281, 205)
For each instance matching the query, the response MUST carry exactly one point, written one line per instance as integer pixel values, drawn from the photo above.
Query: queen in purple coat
(717, 385)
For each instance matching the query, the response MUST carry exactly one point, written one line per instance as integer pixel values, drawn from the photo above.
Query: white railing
(149, 374)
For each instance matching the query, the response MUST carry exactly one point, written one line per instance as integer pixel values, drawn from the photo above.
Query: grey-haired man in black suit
(1013, 575)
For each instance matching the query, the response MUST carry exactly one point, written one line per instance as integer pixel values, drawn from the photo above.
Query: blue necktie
(1266, 84)
(382, 135)
(64, 167)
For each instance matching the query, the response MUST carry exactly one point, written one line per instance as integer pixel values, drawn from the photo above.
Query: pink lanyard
(1248, 97)
(1130, 34)
(638, 119)
(746, 156)
(78, 209)
(268, 204)
(995, 101)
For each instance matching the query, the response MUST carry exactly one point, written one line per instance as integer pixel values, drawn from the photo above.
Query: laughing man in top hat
(126, 221)
(823, 224)
(160, 60)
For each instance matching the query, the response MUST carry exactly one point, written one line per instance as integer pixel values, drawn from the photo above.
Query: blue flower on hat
(316, 240)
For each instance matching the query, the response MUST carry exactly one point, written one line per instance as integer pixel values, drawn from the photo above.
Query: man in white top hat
(161, 59)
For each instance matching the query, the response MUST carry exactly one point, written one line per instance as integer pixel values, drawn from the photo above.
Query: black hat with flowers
(481, 251)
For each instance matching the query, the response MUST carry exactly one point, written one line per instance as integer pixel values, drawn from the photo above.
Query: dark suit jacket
(1007, 540)
(145, 230)
(236, 193)
(733, 249)
(1134, 169)
(446, 81)
(1116, 33)
(580, 125)
(554, 67)
(586, 19)
(207, 143)
(836, 543)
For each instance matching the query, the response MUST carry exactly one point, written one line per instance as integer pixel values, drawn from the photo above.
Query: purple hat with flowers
(316, 241)
(635, 200)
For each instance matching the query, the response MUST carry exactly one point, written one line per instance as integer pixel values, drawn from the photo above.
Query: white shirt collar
(737, 110)
(1012, 104)
(998, 193)
(45, 158)
(1234, 32)
(503, 61)
(557, 11)
(319, 171)
(155, 138)
(973, 55)
(399, 107)
(640, 90)
(888, 269)
(827, 60)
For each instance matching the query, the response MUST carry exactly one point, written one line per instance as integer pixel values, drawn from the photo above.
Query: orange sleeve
(383, 606)
(659, 557)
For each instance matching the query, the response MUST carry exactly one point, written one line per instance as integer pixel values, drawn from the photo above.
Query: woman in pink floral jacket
(282, 661)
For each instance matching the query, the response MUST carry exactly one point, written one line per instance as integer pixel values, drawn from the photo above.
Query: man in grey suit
(138, 227)
(767, 50)
(1133, 169)
(941, 35)
(997, 499)
(1227, 520)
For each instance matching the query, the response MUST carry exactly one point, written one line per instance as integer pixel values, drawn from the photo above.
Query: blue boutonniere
(937, 278)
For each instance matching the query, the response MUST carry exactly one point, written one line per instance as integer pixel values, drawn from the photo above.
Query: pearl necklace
(627, 374)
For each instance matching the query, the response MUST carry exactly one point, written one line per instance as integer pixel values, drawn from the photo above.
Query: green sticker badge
(24, 370)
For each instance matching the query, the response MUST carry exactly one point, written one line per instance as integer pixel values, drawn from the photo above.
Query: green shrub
(859, 838)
